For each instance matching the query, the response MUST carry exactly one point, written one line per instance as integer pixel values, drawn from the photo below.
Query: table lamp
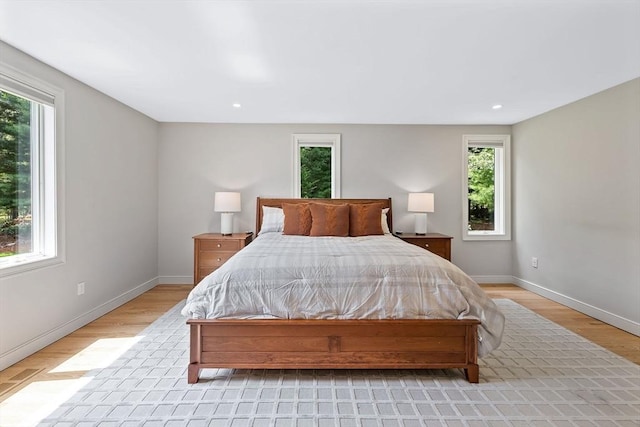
(420, 203)
(227, 203)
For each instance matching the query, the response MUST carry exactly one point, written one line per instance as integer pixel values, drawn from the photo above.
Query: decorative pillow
(329, 220)
(272, 220)
(383, 221)
(297, 219)
(365, 219)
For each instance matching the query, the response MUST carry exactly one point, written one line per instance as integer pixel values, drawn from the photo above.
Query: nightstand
(211, 250)
(437, 243)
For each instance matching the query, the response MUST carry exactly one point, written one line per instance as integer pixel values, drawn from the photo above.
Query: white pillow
(385, 224)
(272, 220)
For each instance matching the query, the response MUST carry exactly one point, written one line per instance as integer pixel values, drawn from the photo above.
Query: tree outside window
(315, 172)
(15, 174)
(481, 188)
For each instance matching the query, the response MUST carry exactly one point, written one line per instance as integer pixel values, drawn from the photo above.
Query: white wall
(196, 160)
(576, 206)
(111, 198)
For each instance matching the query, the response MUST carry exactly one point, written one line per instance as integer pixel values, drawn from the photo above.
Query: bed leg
(195, 348)
(193, 373)
(472, 373)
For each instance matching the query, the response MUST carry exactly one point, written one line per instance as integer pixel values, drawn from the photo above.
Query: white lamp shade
(420, 202)
(226, 201)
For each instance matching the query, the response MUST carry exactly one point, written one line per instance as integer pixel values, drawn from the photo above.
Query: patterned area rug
(542, 375)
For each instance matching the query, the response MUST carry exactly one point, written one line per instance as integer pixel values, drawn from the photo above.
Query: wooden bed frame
(333, 344)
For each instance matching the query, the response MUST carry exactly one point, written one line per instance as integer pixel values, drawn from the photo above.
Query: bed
(277, 304)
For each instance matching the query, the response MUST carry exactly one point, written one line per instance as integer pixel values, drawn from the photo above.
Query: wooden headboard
(277, 203)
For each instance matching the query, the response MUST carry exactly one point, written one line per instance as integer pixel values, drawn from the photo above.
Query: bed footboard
(334, 344)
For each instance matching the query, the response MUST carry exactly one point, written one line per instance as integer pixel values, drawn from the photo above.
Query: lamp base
(226, 224)
(421, 224)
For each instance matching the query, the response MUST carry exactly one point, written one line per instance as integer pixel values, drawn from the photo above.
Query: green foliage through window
(15, 174)
(315, 172)
(481, 187)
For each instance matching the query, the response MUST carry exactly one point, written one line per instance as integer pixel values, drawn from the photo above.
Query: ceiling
(330, 61)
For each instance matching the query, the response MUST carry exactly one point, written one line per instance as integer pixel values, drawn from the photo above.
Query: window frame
(502, 187)
(47, 173)
(331, 140)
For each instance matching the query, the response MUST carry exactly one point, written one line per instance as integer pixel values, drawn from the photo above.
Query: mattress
(372, 277)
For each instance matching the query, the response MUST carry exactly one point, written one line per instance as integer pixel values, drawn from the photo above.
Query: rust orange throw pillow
(329, 220)
(364, 219)
(297, 219)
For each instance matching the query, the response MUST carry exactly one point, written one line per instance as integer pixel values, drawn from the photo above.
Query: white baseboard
(595, 312)
(38, 343)
(176, 280)
(493, 279)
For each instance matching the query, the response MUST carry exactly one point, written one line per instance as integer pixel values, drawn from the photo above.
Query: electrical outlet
(81, 288)
(534, 262)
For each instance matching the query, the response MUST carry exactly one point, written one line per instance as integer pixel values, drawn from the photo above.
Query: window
(316, 165)
(486, 204)
(30, 139)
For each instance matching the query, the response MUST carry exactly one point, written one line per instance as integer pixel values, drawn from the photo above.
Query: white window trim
(317, 140)
(51, 201)
(502, 188)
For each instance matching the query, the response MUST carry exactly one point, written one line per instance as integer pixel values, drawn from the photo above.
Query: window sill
(22, 263)
(486, 236)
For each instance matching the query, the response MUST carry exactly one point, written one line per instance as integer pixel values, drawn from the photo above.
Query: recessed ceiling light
(236, 105)
(497, 106)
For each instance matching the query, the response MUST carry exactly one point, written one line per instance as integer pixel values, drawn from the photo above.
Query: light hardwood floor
(128, 320)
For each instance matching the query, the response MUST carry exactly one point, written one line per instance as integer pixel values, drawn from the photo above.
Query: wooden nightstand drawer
(212, 250)
(436, 243)
(220, 245)
(437, 246)
(214, 259)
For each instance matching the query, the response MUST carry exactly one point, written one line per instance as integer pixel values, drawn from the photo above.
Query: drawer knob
(219, 245)
(219, 259)
(426, 245)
